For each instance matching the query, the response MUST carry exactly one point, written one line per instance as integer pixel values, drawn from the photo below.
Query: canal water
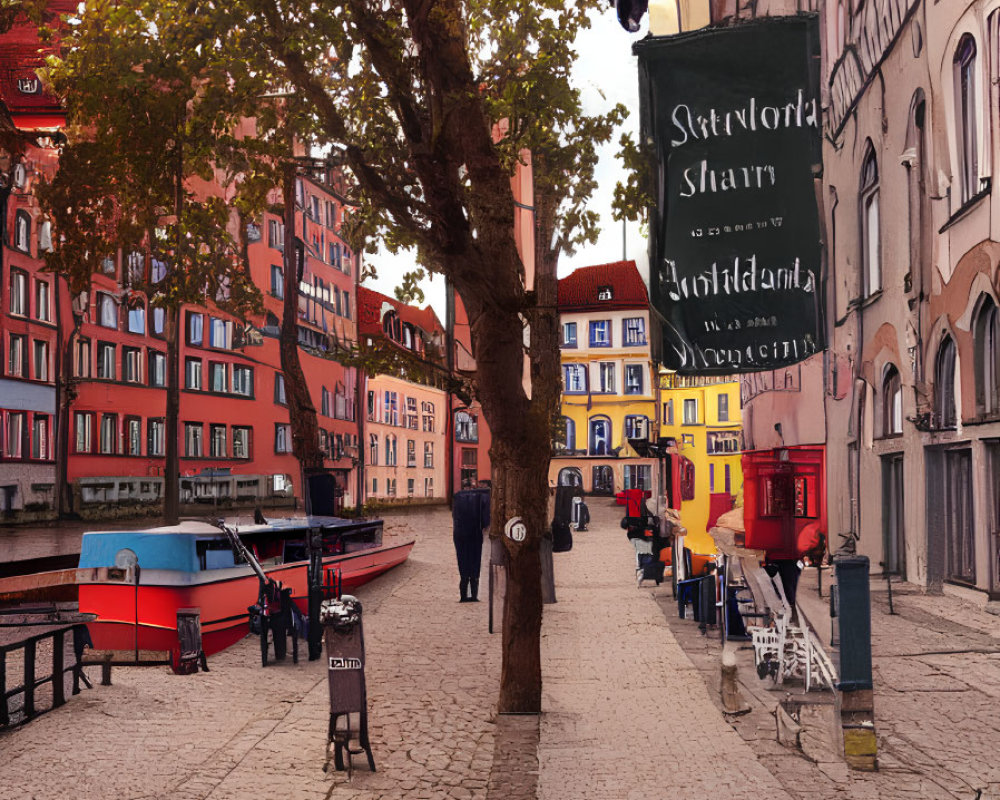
(21, 542)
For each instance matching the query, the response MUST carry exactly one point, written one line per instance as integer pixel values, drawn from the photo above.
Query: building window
(634, 331)
(373, 449)
(722, 442)
(192, 374)
(574, 378)
(40, 436)
(944, 385)
(605, 293)
(390, 450)
(107, 443)
(282, 438)
(965, 116)
(15, 434)
(325, 402)
(390, 487)
(409, 487)
(986, 341)
(193, 447)
(279, 389)
(411, 453)
(690, 411)
(600, 333)
(81, 358)
(217, 441)
(157, 369)
(871, 247)
(892, 403)
(43, 309)
(106, 361)
(668, 412)
(568, 433)
(241, 441)
(390, 408)
(411, 413)
(277, 282)
(466, 427)
(600, 436)
(195, 328)
(469, 474)
(428, 487)
(374, 485)
(156, 436)
(569, 334)
(217, 377)
(133, 436)
(157, 269)
(637, 476)
(275, 234)
(606, 377)
(22, 231)
(634, 378)
(107, 310)
(429, 455)
(723, 408)
(372, 406)
(427, 413)
(41, 358)
(18, 293)
(243, 381)
(132, 365)
(137, 319)
(220, 333)
(159, 320)
(636, 426)
(83, 424)
(17, 354)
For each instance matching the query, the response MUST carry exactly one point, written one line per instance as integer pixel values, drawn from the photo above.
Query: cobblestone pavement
(936, 669)
(243, 731)
(626, 714)
(630, 704)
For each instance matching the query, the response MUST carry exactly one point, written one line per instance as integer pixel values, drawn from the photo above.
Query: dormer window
(605, 293)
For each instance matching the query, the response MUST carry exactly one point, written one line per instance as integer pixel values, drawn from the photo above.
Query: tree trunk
(172, 462)
(520, 460)
(65, 395)
(301, 410)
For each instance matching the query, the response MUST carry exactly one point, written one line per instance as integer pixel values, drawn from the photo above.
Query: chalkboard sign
(735, 253)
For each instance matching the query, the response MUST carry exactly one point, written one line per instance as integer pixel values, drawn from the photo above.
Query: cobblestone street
(627, 713)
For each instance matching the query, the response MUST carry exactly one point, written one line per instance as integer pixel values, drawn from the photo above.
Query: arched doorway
(570, 476)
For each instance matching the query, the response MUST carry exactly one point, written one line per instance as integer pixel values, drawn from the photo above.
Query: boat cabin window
(215, 554)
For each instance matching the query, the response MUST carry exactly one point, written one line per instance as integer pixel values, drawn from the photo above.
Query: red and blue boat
(135, 582)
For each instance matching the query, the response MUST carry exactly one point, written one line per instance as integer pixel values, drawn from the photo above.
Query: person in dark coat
(470, 514)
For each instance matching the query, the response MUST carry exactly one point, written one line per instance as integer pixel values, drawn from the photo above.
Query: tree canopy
(430, 106)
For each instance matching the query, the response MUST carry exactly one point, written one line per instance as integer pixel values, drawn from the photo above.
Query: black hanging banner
(735, 250)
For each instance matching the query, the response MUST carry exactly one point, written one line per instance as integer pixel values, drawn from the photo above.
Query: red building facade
(234, 431)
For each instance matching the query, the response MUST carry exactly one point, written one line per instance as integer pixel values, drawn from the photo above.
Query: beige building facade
(913, 245)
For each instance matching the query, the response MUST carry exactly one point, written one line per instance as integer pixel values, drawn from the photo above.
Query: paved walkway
(626, 714)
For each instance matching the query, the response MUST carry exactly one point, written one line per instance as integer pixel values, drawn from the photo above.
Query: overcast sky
(606, 64)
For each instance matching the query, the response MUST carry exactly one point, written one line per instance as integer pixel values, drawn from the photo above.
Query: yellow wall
(582, 407)
(692, 443)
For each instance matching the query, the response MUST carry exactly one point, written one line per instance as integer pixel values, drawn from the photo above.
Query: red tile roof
(371, 303)
(579, 290)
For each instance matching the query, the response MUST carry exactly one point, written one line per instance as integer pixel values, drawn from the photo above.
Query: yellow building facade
(703, 415)
(609, 381)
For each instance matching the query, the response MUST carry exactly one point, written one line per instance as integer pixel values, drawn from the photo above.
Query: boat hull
(145, 616)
